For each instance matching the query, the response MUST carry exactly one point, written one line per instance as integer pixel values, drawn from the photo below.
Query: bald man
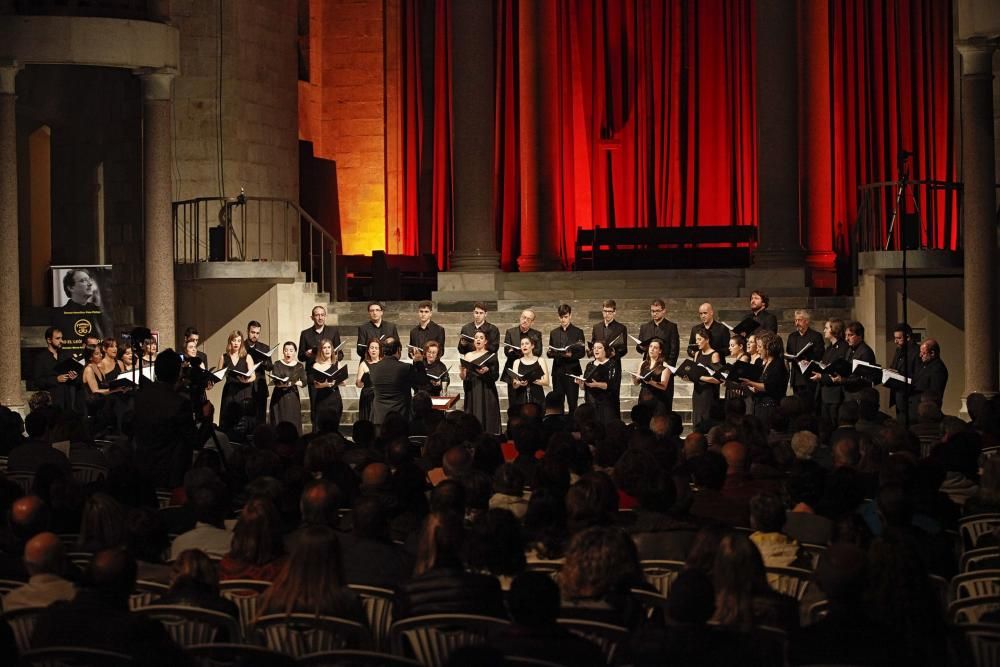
(45, 561)
(929, 379)
(717, 331)
(512, 338)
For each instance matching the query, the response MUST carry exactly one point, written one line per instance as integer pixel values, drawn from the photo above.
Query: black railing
(141, 10)
(254, 229)
(925, 214)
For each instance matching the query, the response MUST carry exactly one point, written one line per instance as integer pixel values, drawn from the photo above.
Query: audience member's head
(319, 503)
(533, 600)
(599, 561)
(257, 535)
(767, 513)
(45, 554)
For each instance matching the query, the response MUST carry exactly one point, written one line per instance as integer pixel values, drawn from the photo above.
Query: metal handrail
(938, 202)
(291, 235)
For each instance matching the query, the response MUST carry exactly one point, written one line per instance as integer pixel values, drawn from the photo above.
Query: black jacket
(393, 382)
(665, 331)
(450, 590)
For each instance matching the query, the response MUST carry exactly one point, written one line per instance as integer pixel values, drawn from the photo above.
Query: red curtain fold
(892, 89)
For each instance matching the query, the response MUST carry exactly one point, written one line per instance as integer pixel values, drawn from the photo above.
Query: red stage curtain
(892, 89)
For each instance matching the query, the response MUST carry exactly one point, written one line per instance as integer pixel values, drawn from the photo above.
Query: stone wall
(342, 112)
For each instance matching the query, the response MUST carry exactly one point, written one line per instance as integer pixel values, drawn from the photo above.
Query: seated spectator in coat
(371, 558)
(312, 580)
(847, 634)
(99, 617)
(533, 601)
(29, 515)
(767, 518)
(148, 541)
(257, 550)
(194, 582)
(494, 546)
(210, 503)
(45, 561)
(102, 525)
(440, 583)
(743, 598)
(37, 450)
(508, 491)
(601, 567)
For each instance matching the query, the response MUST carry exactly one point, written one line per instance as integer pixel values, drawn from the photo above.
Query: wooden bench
(387, 277)
(649, 247)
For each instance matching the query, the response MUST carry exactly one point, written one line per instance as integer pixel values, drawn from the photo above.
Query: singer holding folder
(654, 376)
(325, 403)
(598, 382)
(364, 379)
(287, 376)
(705, 392)
(239, 385)
(480, 371)
(527, 377)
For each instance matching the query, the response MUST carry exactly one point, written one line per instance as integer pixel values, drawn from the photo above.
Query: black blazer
(393, 381)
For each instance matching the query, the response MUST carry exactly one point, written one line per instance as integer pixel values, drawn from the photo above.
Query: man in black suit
(260, 382)
(166, 433)
(375, 328)
(759, 312)
(804, 335)
(569, 336)
(309, 339)
(858, 349)
(930, 377)
(662, 328)
(904, 362)
(63, 387)
(426, 329)
(477, 324)
(393, 381)
(512, 338)
(718, 332)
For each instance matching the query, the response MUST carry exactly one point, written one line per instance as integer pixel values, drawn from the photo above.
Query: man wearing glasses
(614, 335)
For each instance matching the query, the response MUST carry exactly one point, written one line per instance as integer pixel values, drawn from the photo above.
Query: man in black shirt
(512, 338)
(63, 387)
(375, 329)
(426, 329)
(858, 349)
(718, 332)
(662, 328)
(930, 377)
(309, 338)
(569, 336)
(479, 323)
(253, 342)
(759, 312)
(904, 362)
(614, 335)
(804, 335)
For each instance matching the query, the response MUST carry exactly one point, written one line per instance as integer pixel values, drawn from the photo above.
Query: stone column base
(536, 263)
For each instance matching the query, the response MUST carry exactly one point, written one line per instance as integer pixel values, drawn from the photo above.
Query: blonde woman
(238, 388)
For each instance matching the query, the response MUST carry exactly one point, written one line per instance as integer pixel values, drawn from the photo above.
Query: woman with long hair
(97, 390)
(312, 580)
(773, 383)
(364, 379)
(238, 388)
(743, 598)
(194, 582)
(326, 401)
(738, 346)
(530, 388)
(102, 524)
(656, 387)
(602, 566)
(705, 392)
(257, 550)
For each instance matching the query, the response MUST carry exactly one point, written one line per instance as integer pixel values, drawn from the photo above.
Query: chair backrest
(73, 656)
(549, 567)
(980, 559)
(146, 593)
(792, 581)
(524, 661)
(977, 584)
(23, 479)
(818, 611)
(192, 625)
(661, 573)
(974, 526)
(651, 601)
(80, 558)
(302, 634)
(971, 610)
(983, 641)
(85, 473)
(814, 551)
(356, 659)
(377, 603)
(3, 464)
(244, 593)
(432, 637)
(606, 635)
(22, 624)
(7, 585)
(237, 655)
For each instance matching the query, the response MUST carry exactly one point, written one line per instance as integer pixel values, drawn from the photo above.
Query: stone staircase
(683, 292)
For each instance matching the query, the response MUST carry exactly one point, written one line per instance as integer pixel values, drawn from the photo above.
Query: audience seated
(257, 549)
(370, 557)
(210, 504)
(194, 582)
(45, 561)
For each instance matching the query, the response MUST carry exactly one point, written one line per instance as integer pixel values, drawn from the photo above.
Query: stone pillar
(538, 132)
(978, 209)
(156, 204)
(473, 111)
(778, 135)
(10, 289)
(816, 163)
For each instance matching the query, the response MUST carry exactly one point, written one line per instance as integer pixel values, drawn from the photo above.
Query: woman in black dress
(480, 386)
(98, 395)
(528, 390)
(326, 401)
(433, 365)
(598, 376)
(364, 379)
(738, 352)
(285, 403)
(767, 393)
(705, 392)
(655, 388)
(238, 388)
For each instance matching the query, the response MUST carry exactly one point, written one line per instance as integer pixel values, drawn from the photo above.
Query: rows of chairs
(975, 591)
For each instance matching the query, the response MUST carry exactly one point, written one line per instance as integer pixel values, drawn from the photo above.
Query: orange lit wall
(342, 112)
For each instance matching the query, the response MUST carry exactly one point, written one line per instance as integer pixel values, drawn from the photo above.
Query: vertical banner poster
(81, 300)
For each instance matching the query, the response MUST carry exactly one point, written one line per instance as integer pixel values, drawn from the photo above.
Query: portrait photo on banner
(81, 303)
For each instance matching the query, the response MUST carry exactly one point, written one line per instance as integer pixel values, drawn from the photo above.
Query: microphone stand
(897, 211)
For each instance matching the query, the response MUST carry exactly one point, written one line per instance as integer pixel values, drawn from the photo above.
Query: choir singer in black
(566, 348)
